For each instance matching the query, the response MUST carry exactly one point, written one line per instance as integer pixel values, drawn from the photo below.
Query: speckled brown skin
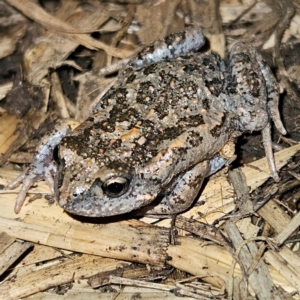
(157, 122)
(162, 125)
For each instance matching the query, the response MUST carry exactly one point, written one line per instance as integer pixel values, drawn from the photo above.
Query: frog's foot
(28, 178)
(42, 166)
(218, 162)
(187, 187)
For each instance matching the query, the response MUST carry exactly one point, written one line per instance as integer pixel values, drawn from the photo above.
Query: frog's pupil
(115, 187)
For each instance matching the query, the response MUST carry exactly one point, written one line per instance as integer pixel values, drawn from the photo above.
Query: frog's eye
(115, 186)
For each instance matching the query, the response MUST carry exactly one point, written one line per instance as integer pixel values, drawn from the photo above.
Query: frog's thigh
(186, 189)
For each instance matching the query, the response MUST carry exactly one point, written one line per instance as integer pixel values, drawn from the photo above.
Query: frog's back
(168, 85)
(149, 108)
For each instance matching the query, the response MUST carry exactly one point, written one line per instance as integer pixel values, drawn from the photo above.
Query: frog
(159, 130)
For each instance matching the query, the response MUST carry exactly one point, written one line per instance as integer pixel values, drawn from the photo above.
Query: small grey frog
(159, 131)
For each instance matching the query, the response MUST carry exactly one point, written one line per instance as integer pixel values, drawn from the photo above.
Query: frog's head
(94, 187)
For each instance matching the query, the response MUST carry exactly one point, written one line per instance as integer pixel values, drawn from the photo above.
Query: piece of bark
(125, 281)
(127, 240)
(130, 272)
(204, 231)
(243, 199)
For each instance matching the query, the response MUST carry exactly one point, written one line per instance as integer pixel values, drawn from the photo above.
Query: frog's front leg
(186, 188)
(42, 166)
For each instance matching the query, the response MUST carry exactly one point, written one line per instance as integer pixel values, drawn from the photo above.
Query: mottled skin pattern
(160, 129)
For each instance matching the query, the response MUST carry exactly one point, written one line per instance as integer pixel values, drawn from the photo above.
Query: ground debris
(241, 238)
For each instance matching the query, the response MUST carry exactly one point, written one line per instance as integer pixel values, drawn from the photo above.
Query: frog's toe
(275, 116)
(27, 184)
(50, 182)
(16, 182)
(267, 141)
(27, 180)
(278, 123)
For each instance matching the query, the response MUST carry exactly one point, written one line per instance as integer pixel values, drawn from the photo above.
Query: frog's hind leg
(186, 188)
(272, 93)
(272, 106)
(255, 91)
(172, 46)
(255, 96)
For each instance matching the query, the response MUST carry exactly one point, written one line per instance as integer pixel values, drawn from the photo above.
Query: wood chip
(61, 273)
(292, 226)
(259, 279)
(10, 251)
